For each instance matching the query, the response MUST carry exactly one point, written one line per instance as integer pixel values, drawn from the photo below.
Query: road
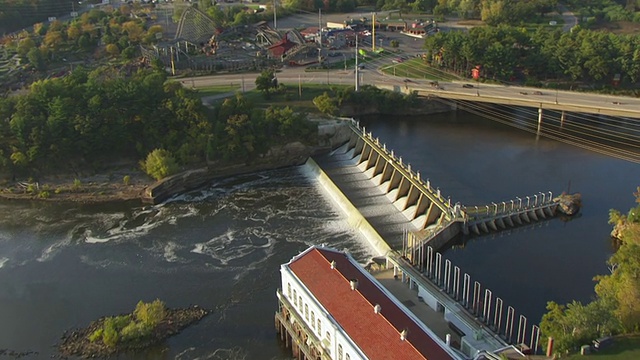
(515, 95)
(570, 20)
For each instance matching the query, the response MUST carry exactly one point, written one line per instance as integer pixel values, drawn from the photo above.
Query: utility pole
(357, 69)
(373, 33)
(320, 36)
(320, 27)
(275, 19)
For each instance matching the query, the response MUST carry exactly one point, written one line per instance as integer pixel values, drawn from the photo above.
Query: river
(63, 265)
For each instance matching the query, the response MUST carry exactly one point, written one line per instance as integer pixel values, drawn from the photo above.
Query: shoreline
(110, 186)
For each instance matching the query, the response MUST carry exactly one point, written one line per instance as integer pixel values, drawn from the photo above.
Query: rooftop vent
(377, 309)
(403, 335)
(333, 264)
(354, 284)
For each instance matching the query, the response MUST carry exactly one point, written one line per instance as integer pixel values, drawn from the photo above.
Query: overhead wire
(568, 138)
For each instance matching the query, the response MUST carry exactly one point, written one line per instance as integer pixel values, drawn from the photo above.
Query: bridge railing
(454, 211)
(539, 200)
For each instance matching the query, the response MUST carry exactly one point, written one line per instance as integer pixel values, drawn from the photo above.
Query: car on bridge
(467, 86)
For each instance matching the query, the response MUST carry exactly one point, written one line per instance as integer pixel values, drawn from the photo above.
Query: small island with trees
(149, 324)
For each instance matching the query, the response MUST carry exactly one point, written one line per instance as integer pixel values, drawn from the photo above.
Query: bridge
(542, 99)
(408, 219)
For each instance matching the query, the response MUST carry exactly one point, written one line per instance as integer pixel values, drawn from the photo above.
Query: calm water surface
(62, 266)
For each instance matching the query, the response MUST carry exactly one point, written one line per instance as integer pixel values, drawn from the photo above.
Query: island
(149, 324)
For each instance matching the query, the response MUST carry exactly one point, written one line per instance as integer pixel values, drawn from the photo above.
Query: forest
(91, 118)
(507, 53)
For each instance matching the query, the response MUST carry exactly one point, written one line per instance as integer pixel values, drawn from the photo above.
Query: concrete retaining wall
(354, 217)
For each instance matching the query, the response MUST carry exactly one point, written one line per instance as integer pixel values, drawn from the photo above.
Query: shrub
(326, 104)
(76, 184)
(135, 331)
(44, 195)
(150, 314)
(159, 164)
(96, 335)
(126, 180)
(110, 335)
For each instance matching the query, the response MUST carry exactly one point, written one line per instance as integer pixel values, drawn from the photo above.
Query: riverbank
(78, 343)
(112, 184)
(129, 183)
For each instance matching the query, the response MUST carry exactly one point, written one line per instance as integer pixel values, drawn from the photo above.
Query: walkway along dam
(407, 220)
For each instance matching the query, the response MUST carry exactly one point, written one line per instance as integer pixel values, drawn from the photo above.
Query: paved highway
(510, 95)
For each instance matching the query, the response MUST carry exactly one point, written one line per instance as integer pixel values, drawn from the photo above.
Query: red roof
(281, 47)
(377, 335)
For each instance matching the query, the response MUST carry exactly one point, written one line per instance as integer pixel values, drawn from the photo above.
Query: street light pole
(275, 19)
(357, 75)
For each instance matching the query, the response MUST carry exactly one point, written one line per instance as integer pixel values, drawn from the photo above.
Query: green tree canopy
(160, 164)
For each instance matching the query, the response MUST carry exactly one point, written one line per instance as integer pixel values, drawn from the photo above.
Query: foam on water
(3, 260)
(170, 252)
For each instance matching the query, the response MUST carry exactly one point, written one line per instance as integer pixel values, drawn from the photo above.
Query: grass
(216, 89)
(291, 97)
(416, 69)
(624, 348)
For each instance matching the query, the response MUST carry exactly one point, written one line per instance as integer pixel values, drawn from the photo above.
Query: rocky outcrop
(569, 204)
(77, 343)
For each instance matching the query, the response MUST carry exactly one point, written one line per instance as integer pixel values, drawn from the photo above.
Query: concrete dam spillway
(397, 200)
(407, 220)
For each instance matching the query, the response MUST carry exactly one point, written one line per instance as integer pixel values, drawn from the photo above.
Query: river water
(63, 265)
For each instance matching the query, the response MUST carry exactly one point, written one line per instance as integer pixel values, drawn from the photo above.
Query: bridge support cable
(589, 137)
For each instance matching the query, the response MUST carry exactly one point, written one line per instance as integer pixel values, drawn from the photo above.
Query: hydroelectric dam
(407, 220)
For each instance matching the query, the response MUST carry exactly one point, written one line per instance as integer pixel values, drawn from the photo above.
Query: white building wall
(306, 306)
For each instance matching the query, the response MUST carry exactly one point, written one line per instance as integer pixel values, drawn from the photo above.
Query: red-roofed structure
(369, 322)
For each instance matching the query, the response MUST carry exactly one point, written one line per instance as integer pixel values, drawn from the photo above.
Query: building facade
(332, 308)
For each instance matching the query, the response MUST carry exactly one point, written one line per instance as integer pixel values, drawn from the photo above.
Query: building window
(340, 352)
(348, 357)
(289, 290)
(319, 327)
(306, 311)
(313, 318)
(300, 301)
(295, 298)
(328, 336)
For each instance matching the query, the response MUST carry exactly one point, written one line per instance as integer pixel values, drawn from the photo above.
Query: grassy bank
(624, 348)
(298, 98)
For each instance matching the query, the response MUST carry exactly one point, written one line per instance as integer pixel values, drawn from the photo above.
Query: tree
(326, 104)
(36, 59)
(25, 45)
(112, 50)
(266, 81)
(159, 164)
(150, 314)
(53, 39)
